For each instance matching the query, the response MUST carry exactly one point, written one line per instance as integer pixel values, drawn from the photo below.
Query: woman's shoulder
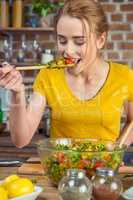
(120, 69)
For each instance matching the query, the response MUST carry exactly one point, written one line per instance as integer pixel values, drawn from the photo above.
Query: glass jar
(47, 56)
(75, 186)
(106, 185)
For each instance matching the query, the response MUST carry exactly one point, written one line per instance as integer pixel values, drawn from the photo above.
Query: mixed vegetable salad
(82, 155)
(60, 63)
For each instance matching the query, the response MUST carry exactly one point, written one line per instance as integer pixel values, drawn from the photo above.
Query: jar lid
(76, 173)
(48, 51)
(103, 171)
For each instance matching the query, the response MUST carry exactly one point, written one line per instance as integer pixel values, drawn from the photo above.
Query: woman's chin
(76, 70)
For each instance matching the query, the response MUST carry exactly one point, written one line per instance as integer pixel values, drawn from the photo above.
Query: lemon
(19, 187)
(3, 194)
(9, 179)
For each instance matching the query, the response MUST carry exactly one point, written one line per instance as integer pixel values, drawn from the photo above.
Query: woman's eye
(79, 42)
(62, 42)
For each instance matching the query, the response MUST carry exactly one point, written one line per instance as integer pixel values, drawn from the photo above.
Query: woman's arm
(129, 139)
(24, 121)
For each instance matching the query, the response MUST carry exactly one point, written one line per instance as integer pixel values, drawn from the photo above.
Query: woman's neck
(91, 73)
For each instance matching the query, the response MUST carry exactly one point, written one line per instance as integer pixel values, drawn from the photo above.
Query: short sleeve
(130, 85)
(39, 83)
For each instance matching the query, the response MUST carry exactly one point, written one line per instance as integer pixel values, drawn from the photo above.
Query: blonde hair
(89, 10)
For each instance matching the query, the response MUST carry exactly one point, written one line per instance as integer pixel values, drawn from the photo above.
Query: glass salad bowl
(58, 155)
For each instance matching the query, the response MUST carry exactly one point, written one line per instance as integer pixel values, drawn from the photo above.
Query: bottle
(17, 13)
(36, 49)
(75, 186)
(47, 120)
(45, 124)
(22, 50)
(20, 56)
(47, 56)
(1, 113)
(106, 185)
(4, 13)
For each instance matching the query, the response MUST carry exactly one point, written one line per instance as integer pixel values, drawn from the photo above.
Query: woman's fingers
(6, 68)
(12, 82)
(10, 78)
(7, 78)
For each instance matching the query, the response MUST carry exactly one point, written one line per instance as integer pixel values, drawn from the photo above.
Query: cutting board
(33, 160)
(31, 168)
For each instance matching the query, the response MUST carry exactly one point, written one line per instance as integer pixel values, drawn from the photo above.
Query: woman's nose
(70, 50)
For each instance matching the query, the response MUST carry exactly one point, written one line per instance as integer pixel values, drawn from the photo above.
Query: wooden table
(50, 192)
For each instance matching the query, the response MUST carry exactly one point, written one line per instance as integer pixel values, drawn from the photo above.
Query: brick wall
(120, 37)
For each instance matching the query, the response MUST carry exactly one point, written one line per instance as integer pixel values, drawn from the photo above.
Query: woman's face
(75, 41)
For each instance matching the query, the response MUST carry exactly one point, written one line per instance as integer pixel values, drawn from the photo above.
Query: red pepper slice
(68, 61)
(98, 163)
(84, 163)
(61, 157)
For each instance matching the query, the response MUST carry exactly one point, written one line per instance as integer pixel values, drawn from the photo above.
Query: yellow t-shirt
(98, 117)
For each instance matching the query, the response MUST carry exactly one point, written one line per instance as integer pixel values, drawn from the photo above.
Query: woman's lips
(76, 60)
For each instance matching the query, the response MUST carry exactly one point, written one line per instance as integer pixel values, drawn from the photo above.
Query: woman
(87, 100)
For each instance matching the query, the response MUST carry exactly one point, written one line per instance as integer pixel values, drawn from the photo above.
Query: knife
(10, 163)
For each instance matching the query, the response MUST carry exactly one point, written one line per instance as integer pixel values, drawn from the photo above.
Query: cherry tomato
(61, 157)
(98, 163)
(84, 163)
(68, 61)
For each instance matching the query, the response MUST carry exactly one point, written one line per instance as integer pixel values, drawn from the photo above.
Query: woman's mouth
(72, 60)
(78, 61)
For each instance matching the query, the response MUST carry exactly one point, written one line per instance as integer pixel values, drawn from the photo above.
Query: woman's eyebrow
(78, 37)
(75, 37)
(59, 35)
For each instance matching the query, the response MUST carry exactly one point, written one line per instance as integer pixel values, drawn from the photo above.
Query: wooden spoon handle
(24, 68)
(126, 134)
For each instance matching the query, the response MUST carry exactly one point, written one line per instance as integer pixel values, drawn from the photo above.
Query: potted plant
(46, 9)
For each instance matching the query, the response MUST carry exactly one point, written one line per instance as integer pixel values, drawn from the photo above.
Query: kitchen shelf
(30, 29)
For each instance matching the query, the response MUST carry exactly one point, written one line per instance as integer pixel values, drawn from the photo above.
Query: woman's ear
(101, 40)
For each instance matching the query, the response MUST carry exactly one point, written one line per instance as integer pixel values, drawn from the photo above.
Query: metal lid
(102, 171)
(48, 51)
(76, 173)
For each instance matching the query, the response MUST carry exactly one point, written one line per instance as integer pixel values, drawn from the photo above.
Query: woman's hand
(10, 78)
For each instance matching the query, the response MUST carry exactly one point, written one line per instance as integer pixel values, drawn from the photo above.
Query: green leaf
(45, 7)
(44, 12)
